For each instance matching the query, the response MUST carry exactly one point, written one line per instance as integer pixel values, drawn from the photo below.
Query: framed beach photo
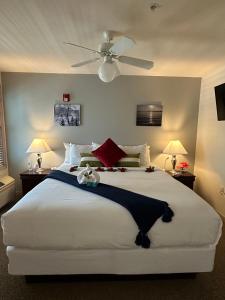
(149, 115)
(67, 114)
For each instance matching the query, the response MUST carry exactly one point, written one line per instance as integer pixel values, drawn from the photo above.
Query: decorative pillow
(131, 160)
(109, 153)
(75, 151)
(89, 158)
(144, 151)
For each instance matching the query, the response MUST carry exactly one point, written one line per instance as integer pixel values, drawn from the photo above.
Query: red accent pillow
(109, 153)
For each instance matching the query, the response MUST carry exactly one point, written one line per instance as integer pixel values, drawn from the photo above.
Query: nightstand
(185, 177)
(30, 179)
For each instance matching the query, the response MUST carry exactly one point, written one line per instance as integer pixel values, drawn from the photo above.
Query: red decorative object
(99, 169)
(183, 165)
(150, 169)
(66, 97)
(111, 170)
(74, 168)
(109, 153)
(122, 170)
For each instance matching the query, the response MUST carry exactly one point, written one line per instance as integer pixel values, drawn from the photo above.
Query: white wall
(107, 110)
(210, 147)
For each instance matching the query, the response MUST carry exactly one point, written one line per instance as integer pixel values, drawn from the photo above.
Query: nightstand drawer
(187, 181)
(31, 179)
(186, 178)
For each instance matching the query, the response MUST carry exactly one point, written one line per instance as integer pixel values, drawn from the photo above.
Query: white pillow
(67, 153)
(94, 146)
(75, 151)
(144, 151)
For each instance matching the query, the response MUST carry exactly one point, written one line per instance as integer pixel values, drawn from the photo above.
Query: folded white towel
(88, 175)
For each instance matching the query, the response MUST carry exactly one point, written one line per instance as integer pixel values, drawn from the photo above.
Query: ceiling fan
(110, 52)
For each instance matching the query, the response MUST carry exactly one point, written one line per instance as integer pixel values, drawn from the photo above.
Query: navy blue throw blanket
(144, 210)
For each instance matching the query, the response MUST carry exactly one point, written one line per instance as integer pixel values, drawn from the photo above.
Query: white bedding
(55, 215)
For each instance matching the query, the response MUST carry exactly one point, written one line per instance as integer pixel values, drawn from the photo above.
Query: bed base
(114, 261)
(106, 277)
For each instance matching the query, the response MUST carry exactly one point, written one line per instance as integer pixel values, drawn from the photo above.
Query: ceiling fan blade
(137, 62)
(85, 62)
(122, 45)
(75, 45)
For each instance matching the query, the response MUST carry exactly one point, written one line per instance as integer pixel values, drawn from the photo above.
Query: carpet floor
(206, 286)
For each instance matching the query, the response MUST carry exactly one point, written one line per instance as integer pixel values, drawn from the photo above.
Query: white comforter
(55, 215)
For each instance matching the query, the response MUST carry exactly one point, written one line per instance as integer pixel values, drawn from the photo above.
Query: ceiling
(183, 37)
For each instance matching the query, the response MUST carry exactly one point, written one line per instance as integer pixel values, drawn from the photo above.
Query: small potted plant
(183, 166)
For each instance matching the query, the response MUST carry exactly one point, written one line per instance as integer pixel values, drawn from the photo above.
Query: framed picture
(149, 115)
(67, 114)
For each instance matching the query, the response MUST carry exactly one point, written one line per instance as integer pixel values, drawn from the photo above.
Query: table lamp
(38, 146)
(174, 148)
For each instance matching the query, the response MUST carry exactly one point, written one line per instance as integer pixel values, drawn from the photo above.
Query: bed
(59, 229)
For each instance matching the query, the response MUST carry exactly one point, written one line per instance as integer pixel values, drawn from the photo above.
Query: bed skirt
(119, 262)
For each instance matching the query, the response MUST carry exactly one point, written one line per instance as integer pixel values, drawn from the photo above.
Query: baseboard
(106, 277)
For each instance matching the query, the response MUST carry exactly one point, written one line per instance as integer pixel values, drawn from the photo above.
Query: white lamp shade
(38, 146)
(175, 147)
(108, 70)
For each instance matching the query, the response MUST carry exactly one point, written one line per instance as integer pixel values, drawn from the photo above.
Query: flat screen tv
(220, 101)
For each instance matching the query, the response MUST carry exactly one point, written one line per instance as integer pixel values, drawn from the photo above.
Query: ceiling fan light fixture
(111, 52)
(108, 70)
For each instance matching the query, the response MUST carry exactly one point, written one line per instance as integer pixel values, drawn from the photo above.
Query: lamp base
(39, 161)
(40, 170)
(173, 161)
(173, 172)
